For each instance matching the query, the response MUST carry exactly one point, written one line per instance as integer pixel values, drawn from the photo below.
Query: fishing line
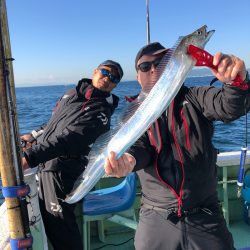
(240, 180)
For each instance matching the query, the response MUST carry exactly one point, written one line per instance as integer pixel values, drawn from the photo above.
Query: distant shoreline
(195, 73)
(35, 85)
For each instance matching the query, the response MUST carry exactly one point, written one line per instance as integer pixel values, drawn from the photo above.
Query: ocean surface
(35, 104)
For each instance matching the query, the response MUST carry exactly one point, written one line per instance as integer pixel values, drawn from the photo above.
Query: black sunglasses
(146, 66)
(111, 77)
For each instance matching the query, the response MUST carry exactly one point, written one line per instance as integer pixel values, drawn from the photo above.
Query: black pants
(58, 216)
(158, 230)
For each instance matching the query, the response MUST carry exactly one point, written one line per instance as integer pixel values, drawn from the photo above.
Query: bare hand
(29, 140)
(25, 164)
(26, 137)
(121, 167)
(229, 67)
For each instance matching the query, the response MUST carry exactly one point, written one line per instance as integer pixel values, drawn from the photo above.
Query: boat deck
(241, 234)
(232, 208)
(125, 241)
(108, 235)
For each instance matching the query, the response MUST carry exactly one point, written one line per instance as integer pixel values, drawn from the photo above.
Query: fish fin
(99, 145)
(102, 141)
(162, 66)
(130, 108)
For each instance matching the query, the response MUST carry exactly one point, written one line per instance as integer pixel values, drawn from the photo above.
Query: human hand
(229, 67)
(27, 140)
(119, 167)
(25, 164)
(26, 137)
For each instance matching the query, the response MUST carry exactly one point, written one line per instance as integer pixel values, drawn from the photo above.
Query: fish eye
(199, 32)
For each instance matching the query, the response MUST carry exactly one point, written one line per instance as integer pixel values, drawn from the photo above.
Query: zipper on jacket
(158, 148)
(186, 129)
(179, 206)
(179, 198)
(156, 140)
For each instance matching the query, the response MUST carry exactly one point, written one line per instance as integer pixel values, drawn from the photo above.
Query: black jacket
(176, 160)
(80, 116)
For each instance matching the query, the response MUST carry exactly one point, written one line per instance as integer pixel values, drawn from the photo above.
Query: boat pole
(241, 173)
(10, 158)
(147, 22)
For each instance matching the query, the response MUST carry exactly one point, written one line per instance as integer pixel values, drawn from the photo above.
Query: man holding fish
(176, 160)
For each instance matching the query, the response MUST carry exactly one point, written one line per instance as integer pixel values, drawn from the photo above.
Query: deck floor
(241, 234)
(239, 230)
(114, 242)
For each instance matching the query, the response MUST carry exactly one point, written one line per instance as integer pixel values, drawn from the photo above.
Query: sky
(59, 41)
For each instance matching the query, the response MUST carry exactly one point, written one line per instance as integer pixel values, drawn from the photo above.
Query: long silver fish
(172, 71)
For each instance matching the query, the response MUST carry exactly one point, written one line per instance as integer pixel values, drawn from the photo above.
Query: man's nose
(105, 78)
(153, 67)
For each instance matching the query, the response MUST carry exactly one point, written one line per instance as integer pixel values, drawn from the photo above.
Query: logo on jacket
(65, 96)
(103, 118)
(55, 207)
(109, 99)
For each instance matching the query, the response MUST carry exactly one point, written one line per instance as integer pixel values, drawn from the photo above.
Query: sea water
(35, 105)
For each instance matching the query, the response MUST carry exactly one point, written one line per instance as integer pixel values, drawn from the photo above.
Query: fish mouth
(201, 36)
(209, 34)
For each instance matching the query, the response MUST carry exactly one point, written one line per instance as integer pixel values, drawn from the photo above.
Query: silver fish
(172, 71)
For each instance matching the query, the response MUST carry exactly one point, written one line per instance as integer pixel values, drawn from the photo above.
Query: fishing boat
(104, 230)
(111, 226)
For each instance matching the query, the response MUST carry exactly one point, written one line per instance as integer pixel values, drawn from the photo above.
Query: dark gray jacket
(79, 117)
(176, 160)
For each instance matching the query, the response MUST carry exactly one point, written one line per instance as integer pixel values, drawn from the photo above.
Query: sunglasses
(111, 77)
(146, 66)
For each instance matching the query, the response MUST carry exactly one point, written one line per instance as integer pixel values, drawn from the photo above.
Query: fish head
(199, 37)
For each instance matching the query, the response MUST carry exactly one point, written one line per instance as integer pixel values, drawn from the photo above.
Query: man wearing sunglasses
(60, 149)
(176, 160)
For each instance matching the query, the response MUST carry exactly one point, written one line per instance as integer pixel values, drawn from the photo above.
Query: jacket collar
(85, 89)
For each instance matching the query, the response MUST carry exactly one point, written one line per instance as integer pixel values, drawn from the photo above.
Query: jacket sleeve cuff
(242, 85)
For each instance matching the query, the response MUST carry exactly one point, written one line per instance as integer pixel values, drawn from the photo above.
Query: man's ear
(94, 72)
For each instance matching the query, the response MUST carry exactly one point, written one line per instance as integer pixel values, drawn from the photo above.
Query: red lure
(203, 58)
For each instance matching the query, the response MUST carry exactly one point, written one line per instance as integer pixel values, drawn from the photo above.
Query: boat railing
(229, 163)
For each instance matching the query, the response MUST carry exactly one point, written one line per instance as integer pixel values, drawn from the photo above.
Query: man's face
(103, 82)
(151, 75)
